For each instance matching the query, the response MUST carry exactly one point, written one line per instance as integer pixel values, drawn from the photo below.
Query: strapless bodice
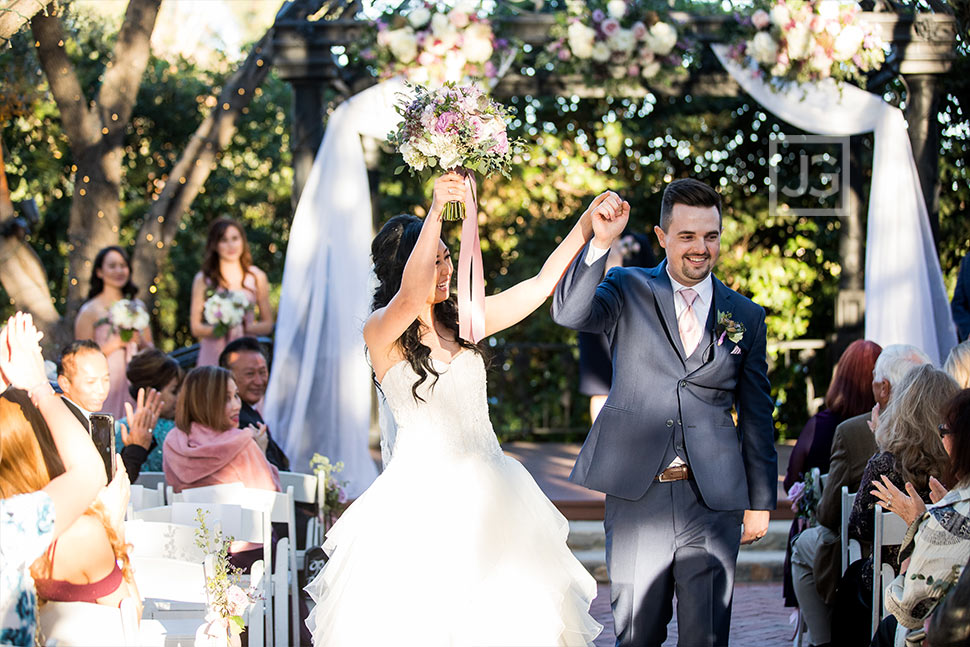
(451, 416)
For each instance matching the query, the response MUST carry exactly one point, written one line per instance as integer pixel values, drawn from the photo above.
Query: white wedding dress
(454, 543)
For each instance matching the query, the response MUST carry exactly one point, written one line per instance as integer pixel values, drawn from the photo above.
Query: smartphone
(103, 435)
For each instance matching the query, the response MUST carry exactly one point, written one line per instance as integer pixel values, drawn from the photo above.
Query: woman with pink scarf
(207, 447)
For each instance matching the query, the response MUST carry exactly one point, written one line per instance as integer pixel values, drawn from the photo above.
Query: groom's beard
(696, 273)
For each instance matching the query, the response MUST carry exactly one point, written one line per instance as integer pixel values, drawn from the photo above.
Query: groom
(680, 475)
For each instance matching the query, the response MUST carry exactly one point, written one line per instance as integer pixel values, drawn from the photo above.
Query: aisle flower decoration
(335, 496)
(432, 44)
(804, 497)
(616, 42)
(126, 317)
(225, 309)
(805, 41)
(227, 601)
(453, 127)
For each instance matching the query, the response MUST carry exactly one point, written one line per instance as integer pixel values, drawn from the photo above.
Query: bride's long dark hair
(390, 250)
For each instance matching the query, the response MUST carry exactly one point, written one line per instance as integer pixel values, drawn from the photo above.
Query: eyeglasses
(943, 429)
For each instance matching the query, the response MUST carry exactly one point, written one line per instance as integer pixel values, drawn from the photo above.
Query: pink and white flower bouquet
(804, 41)
(225, 309)
(453, 127)
(127, 316)
(430, 44)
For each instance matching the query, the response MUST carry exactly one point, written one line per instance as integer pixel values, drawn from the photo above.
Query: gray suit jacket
(735, 466)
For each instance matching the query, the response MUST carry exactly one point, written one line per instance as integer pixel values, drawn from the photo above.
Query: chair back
(151, 480)
(162, 539)
(849, 549)
(169, 579)
(84, 624)
(145, 497)
(888, 530)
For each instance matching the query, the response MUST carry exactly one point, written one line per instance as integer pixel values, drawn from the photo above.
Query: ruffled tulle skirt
(458, 552)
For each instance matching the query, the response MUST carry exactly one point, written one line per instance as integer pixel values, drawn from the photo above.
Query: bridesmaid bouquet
(225, 309)
(453, 127)
(127, 316)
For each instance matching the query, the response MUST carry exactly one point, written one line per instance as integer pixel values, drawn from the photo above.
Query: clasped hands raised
(608, 215)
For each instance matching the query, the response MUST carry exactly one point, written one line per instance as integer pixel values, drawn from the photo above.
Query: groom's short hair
(690, 192)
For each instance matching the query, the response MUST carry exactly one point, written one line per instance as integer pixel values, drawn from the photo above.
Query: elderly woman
(937, 544)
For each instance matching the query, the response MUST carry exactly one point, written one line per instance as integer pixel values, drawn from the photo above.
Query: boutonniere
(728, 328)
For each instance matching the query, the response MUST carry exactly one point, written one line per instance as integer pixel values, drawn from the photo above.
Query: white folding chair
(278, 508)
(163, 539)
(83, 624)
(144, 497)
(849, 549)
(305, 490)
(888, 530)
(151, 480)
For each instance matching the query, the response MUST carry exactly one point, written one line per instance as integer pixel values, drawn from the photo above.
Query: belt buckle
(677, 473)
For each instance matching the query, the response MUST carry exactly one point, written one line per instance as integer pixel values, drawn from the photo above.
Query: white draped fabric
(319, 394)
(906, 300)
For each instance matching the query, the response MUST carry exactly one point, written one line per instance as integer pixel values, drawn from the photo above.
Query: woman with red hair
(849, 394)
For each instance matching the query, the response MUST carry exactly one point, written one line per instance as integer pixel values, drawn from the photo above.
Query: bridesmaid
(111, 282)
(228, 266)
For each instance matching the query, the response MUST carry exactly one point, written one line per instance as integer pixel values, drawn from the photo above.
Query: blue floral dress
(154, 461)
(27, 529)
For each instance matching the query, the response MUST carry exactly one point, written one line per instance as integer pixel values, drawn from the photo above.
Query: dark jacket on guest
(274, 453)
(960, 306)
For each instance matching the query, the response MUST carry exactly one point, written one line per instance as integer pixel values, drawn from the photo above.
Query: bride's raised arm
(385, 325)
(515, 304)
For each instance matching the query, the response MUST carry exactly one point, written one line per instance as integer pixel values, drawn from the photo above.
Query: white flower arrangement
(615, 41)
(805, 41)
(127, 316)
(225, 309)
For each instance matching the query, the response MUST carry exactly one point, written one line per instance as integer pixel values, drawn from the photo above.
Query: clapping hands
(259, 435)
(608, 215)
(21, 363)
(141, 420)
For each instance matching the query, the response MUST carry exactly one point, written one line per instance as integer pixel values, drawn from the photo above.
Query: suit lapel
(721, 301)
(663, 293)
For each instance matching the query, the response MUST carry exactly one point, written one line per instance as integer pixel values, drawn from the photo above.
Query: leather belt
(678, 473)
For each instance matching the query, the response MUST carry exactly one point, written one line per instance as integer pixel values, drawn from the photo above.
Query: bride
(454, 544)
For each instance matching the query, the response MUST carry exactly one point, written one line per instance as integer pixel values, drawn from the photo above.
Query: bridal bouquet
(453, 127)
(127, 316)
(809, 41)
(225, 309)
(227, 601)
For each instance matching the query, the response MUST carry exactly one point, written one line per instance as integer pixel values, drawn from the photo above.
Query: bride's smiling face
(443, 271)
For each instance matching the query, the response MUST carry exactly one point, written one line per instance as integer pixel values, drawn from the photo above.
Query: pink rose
(237, 601)
(760, 19)
(610, 26)
(639, 30)
(489, 69)
(633, 70)
(446, 122)
(426, 58)
(501, 145)
(459, 19)
(563, 54)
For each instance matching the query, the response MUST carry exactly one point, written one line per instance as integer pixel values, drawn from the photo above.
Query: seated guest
(29, 522)
(949, 625)
(849, 395)
(939, 537)
(207, 447)
(244, 358)
(816, 552)
(910, 449)
(957, 364)
(154, 379)
(82, 374)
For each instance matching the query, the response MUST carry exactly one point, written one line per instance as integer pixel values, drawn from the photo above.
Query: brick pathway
(760, 618)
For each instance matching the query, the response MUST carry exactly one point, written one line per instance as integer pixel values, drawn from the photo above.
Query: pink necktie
(687, 324)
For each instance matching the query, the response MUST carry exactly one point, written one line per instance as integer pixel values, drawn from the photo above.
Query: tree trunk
(189, 174)
(14, 14)
(21, 273)
(95, 133)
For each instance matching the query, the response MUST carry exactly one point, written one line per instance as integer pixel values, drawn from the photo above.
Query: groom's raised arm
(583, 300)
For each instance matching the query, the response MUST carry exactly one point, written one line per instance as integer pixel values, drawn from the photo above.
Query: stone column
(922, 107)
(306, 131)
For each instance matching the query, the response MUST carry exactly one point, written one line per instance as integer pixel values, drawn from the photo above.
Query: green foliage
(251, 182)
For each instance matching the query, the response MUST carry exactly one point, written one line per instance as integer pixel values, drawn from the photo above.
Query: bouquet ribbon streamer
(471, 277)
